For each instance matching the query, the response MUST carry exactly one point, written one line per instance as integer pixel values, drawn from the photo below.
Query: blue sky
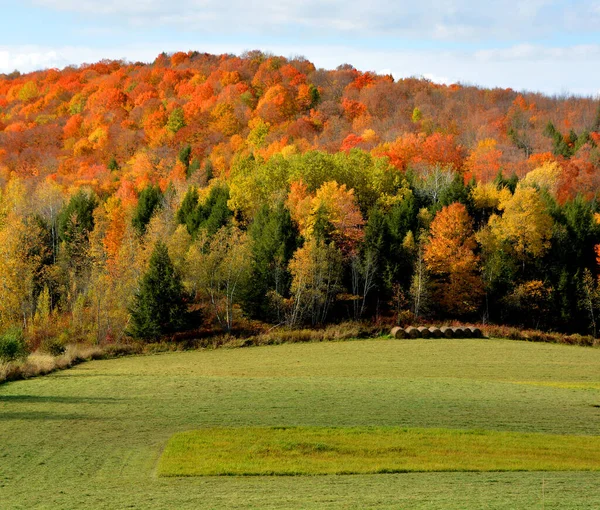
(539, 45)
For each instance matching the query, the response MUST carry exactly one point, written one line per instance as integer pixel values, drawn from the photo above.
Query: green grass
(91, 437)
(370, 450)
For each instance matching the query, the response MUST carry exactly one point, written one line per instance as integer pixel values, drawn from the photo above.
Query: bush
(54, 346)
(12, 345)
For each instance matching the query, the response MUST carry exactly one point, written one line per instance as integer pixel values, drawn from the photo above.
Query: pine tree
(159, 306)
(76, 220)
(274, 240)
(186, 215)
(150, 200)
(185, 155)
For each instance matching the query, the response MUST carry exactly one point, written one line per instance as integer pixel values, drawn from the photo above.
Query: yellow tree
(20, 250)
(525, 225)
(545, 177)
(215, 271)
(450, 258)
(316, 271)
(334, 203)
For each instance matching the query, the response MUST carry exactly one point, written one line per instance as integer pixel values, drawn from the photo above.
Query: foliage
(76, 219)
(316, 270)
(450, 258)
(525, 225)
(274, 240)
(159, 306)
(12, 345)
(99, 162)
(218, 270)
(149, 202)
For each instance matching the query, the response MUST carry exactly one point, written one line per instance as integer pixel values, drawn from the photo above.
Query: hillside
(78, 124)
(267, 190)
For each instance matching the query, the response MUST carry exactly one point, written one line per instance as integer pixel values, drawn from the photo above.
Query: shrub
(54, 346)
(12, 345)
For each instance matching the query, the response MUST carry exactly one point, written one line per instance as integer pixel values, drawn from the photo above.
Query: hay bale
(476, 333)
(435, 332)
(412, 332)
(458, 332)
(398, 332)
(447, 332)
(467, 333)
(424, 332)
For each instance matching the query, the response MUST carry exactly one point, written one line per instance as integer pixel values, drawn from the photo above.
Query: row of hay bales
(433, 332)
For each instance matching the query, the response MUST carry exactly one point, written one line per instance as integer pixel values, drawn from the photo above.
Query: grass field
(370, 450)
(91, 437)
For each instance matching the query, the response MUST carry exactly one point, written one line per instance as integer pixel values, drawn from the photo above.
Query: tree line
(303, 240)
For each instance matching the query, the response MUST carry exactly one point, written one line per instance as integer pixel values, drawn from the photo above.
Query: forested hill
(334, 194)
(80, 123)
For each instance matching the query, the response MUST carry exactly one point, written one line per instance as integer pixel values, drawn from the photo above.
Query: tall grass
(531, 335)
(39, 363)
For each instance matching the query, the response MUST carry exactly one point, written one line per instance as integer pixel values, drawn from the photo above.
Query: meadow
(92, 436)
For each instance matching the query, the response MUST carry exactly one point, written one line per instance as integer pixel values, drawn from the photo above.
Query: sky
(536, 45)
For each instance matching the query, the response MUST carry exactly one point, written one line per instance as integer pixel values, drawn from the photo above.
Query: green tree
(76, 220)
(185, 155)
(209, 216)
(150, 200)
(274, 240)
(176, 120)
(159, 306)
(217, 267)
(186, 215)
(113, 166)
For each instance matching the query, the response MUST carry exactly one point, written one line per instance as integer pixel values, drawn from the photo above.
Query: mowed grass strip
(370, 450)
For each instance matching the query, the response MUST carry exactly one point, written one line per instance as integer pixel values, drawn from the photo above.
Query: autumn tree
(316, 270)
(217, 269)
(450, 257)
(484, 161)
(420, 290)
(19, 270)
(525, 226)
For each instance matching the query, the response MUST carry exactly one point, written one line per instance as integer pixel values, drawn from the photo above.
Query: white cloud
(29, 59)
(530, 52)
(437, 19)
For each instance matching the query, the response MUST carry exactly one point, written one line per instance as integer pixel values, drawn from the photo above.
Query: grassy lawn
(370, 450)
(91, 437)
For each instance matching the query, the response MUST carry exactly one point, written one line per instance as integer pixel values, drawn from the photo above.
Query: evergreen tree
(185, 155)
(193, 168)
(76, 220)
(457, 191)
(150, 200)
(186, 215)
(113, 166)
(510, 183)
(159, 306)
(274, 240)
(215, 213)
(211, 216)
